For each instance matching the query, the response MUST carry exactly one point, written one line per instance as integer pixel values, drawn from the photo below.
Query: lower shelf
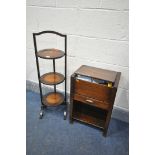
(53, 99)
(88, 119)
(88, 114)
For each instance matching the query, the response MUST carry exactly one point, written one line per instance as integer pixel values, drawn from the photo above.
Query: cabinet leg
(105, 132)
(71, 112)
(71, 121)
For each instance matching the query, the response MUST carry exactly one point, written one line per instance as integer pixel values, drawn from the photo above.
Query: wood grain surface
(53, 99)
(50, 53)
(52, 78)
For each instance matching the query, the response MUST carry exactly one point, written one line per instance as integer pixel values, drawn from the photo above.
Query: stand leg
(54, 73)
(41, 114)
(65, 115)
(65, 112)
(38, 71)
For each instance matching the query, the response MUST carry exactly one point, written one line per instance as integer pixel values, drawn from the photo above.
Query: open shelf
(53, 99)
(88, 119)
(52, 78)
(87, 114)
(50, 53)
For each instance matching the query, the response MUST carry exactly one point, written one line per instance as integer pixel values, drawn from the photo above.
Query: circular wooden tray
(52, 78)
(53, 99)
(50, 53)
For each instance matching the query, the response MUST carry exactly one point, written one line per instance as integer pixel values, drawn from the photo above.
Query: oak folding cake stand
(54, 78)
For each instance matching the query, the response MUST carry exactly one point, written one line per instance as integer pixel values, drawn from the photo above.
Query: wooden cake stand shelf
(50, 53)
(54, 78)
(53, 99)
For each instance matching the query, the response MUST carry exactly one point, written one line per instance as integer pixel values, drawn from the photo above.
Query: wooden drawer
(92, 90)
(93, 102)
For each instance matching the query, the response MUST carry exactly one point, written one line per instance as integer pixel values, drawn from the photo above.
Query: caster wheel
(41, 115)
(65, 115)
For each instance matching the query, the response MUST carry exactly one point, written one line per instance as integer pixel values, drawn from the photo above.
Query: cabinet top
(97, 73)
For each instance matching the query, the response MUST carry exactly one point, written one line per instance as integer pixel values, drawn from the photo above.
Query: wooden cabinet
(93, 92)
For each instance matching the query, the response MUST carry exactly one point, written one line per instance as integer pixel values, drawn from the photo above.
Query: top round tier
(50, 53)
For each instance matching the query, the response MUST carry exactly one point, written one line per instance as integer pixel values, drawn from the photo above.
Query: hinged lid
(97, 73)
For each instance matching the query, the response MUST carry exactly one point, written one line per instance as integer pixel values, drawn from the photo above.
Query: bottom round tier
(53, 99)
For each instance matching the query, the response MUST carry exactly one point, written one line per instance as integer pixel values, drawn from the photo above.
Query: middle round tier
(52, 78)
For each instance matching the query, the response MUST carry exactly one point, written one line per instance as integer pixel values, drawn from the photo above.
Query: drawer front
(93, 90)
(93, 102)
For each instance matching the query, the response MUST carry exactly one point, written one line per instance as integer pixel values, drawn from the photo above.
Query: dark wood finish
(50, 53)
(90, 102)
(97, 73)
(88, 114)
(92, 90)
(88, 119)
(52, 78)
(53, 99)
(72, 81)
(49, 31)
